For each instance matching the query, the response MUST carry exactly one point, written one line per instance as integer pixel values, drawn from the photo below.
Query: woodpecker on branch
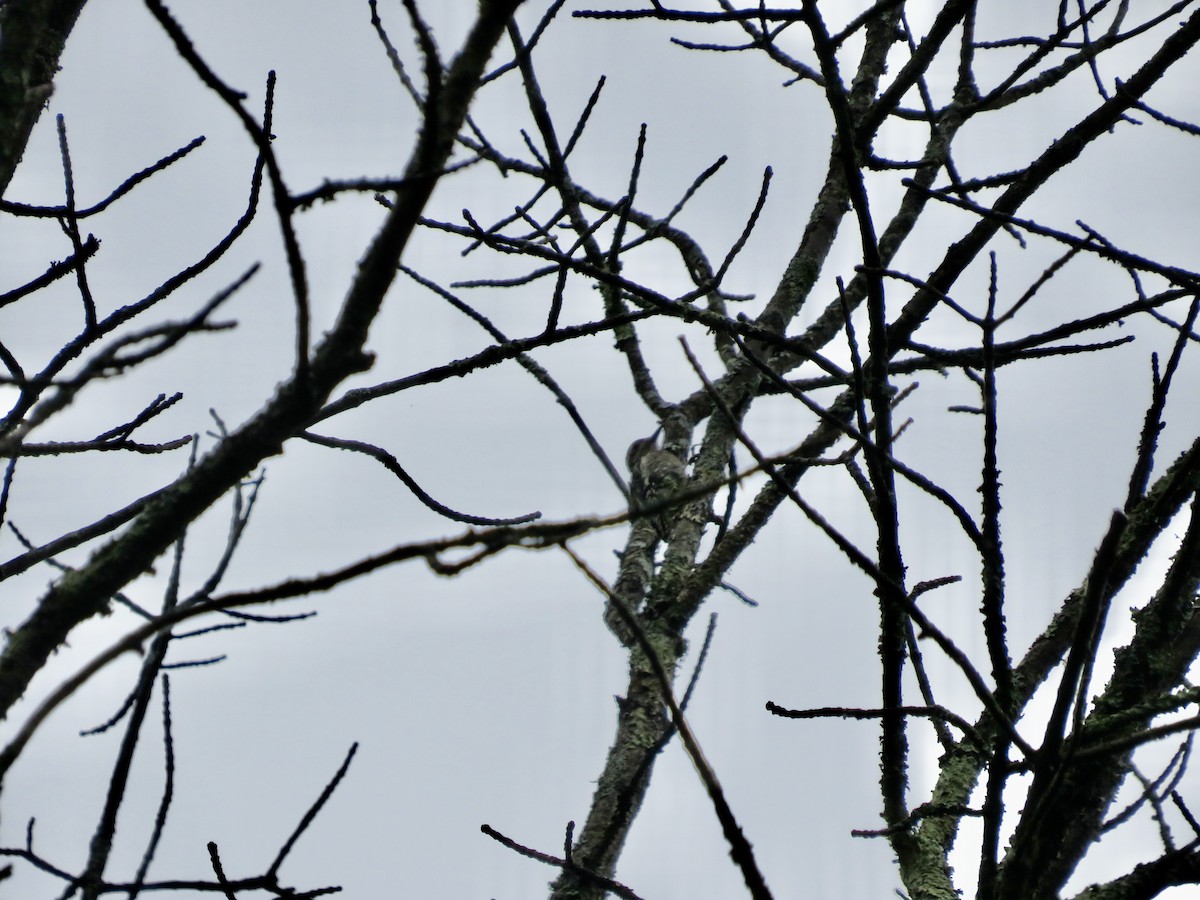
(654, 474)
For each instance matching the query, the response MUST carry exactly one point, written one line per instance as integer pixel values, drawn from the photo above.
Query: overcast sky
(489, 697)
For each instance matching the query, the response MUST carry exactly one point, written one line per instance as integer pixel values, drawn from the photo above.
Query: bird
(654, 475)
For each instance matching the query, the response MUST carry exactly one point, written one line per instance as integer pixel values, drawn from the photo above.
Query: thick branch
(84, 592)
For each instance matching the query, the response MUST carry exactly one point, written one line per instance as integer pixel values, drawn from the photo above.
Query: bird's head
(640, 448)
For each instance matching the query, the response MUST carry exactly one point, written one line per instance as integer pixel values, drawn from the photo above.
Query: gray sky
(489, 698)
